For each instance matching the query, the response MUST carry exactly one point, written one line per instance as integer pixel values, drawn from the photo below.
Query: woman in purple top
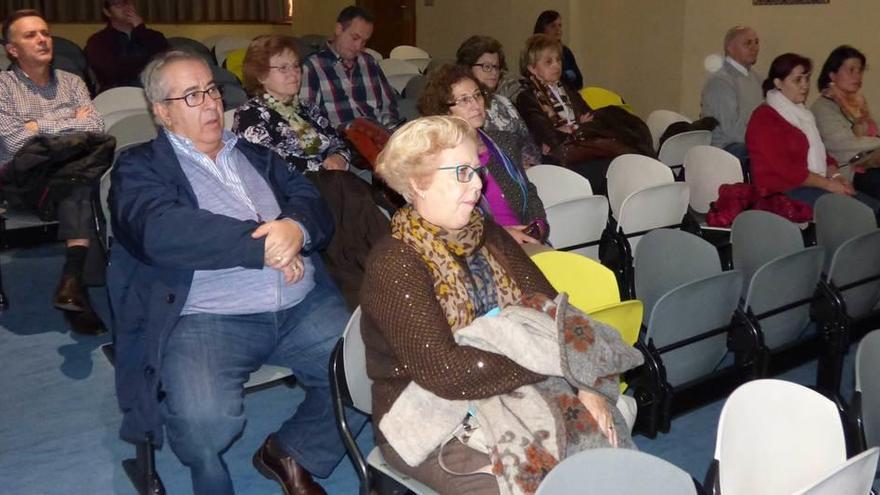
(508, 195)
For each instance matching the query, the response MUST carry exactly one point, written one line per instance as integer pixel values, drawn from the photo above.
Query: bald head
(741, 44)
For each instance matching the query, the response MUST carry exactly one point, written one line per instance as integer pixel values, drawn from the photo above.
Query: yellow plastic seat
(587, 282)
(598, 98)
(626, 318)
(592, 288)
(235, 61)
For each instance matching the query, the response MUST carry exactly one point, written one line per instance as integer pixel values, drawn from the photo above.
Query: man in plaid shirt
(346, 82)
(38, 100)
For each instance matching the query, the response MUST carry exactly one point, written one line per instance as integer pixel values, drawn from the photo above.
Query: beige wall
(811, 30)
(79, 33)
(441, 28)
(650, 51)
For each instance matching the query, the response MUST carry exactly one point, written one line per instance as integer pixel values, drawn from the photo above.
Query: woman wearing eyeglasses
(511, 199)
(484, 56)
(444, 271)
(275, 117)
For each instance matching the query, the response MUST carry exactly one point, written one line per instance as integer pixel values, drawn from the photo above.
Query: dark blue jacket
(160, 237)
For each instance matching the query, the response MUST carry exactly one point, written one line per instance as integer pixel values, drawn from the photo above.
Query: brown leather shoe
(275, 464)
(70, 295)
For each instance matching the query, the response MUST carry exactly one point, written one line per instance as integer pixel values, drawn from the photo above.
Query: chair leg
(142, 470)
(4, 301)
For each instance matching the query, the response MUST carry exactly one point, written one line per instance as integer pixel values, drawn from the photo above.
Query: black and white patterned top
(502, 116)
(256, 122)
(52, 107)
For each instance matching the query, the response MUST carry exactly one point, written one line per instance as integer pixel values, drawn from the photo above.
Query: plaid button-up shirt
(52, 107)
(344, 94)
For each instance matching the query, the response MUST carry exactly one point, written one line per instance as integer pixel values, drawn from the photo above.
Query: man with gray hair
(214, 273)
(731, 94)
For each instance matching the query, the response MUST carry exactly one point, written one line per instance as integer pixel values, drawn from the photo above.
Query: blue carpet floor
(59, 418)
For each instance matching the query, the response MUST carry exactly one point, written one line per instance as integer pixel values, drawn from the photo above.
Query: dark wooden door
(395, 23)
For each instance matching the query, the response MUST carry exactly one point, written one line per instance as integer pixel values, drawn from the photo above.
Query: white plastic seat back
(659, 120)
(867, 383)
(557, 184)
(839, 218)
(138, 128)
(706, 169)
(653, 208)
(376, 55)
(578, 221)
(406, 52)
(603, 471)
(123, 98)
(393, 66)
(760, 236)
(226, 44)
(630, 173)
(228, 119)
(104, 198)
(856, 476)
(354, 354)
(853, 261)
(673, 150)
(776, 437)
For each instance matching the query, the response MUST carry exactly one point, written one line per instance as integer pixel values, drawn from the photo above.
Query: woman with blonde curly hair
(445, 275)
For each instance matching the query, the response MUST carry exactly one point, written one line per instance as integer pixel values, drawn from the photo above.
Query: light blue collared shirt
(230, 186)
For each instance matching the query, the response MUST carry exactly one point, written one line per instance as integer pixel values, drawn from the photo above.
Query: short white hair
(153, 80)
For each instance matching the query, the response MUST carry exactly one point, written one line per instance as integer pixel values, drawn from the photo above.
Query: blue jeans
(809, 195)
(206, 362)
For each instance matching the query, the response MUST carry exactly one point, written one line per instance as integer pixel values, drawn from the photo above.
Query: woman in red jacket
(785, 147)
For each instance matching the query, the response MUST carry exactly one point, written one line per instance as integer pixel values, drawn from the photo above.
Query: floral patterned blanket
(528, 431)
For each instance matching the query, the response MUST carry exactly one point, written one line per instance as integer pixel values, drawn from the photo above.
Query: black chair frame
(655, 395)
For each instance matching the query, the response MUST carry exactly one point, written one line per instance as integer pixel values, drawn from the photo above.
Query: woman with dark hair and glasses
(786, 151)
(511, 199)
(844, 119)
(549, 22)
(275, 117)
(484, 57)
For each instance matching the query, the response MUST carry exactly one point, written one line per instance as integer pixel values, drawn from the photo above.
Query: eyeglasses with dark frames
(196, 98)
(476, 97)
(464, 173)
(287, 68)
(488, 67)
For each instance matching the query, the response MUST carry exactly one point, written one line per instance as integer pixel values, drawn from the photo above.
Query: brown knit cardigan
(407, 337)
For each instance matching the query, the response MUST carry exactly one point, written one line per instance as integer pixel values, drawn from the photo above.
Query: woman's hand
(335, 162)
(585, 117)
(516, 231)
(567, 128)
(839, 185)
(597, 406)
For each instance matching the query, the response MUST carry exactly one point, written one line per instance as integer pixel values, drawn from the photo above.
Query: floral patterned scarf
(311, 141)
(443, 251)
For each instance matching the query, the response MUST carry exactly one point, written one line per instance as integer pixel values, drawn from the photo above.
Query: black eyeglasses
(287, 68)
(464, 173)
(196, 98)
(477, 97)
(488, 67)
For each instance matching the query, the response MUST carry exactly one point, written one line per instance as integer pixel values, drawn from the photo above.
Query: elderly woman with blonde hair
(444, 272)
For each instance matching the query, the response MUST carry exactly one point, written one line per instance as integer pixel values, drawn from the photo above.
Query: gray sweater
(730, 97)
(837, 134)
